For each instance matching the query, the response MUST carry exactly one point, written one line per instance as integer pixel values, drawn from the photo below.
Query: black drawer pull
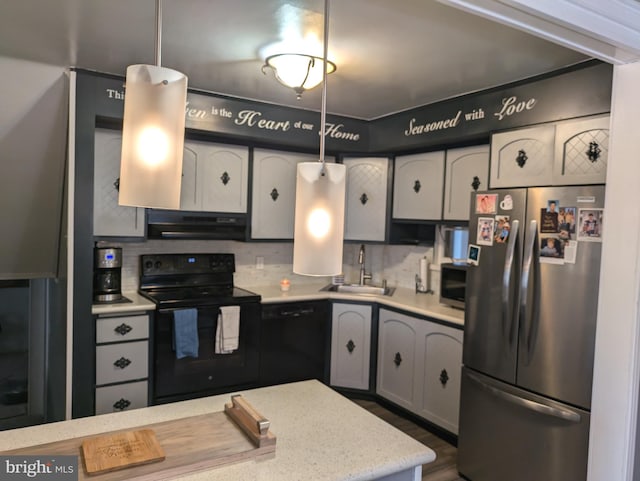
(225, 178)
(444, 377)
(417, 186)
(397, 360)
(122, 362)
(594, 151)
(350, 346)
(363, 198)
(274, 194)
(123, 329)
(522, 158)
(475, 184)
(122, 404)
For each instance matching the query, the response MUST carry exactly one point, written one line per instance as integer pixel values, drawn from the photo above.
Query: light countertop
(403, 298)
(321, 435)
(138, 303)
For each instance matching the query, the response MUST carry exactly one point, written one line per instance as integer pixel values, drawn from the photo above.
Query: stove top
(191, 280)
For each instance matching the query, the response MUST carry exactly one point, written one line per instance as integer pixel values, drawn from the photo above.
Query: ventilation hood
(170, 224)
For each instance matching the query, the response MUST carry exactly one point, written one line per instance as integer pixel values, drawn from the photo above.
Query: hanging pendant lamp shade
(319, 219)
(152, 137)
(320, 197)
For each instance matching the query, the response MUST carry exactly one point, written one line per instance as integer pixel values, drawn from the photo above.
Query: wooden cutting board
(190, 445)
(124, 450)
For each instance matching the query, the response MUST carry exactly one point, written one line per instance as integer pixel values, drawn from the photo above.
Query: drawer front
(125, 328)
(121, 362)
(122, 397)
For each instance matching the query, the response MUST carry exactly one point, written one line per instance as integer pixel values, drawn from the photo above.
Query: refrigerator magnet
(473, 256)
(485, 231)
(486, 203)
(506, 203)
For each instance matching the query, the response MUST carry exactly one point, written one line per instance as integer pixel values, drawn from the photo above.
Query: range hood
(171, 224)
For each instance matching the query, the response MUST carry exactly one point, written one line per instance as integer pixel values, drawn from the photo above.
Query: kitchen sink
(360, 289)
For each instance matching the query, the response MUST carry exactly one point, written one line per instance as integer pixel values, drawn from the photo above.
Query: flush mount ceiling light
(319, 212)
(153, 133)
(299, 71)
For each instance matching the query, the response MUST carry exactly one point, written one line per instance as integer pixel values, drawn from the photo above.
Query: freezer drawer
(508, 434)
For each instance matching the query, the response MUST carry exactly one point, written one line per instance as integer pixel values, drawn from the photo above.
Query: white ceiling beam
(609, 31)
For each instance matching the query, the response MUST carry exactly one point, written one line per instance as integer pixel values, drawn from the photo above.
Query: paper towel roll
(423, 274)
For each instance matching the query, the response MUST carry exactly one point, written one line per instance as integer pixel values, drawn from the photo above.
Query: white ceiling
(391, 54)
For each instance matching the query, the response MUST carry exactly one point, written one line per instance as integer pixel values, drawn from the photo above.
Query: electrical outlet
(259, 262)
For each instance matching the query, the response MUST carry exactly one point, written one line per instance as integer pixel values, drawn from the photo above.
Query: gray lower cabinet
(350, 345)
(419, 367)
(122, 362)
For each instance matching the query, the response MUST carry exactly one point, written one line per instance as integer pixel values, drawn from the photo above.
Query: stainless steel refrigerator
(530, 320)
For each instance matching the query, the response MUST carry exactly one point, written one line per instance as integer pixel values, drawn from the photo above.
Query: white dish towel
(228, 330)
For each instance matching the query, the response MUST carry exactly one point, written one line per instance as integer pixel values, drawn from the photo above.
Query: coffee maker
(107, 274)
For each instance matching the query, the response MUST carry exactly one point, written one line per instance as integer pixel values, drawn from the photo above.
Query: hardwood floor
(444, 467)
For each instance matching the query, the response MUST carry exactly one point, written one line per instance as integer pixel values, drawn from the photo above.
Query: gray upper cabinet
(581, 151)
(418, 185)
(522, 157)
(467, 169)
(110, 218)
(366, 202)
(215, 177)
(274, 193)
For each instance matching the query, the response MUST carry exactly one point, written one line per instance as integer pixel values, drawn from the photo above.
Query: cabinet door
(581, 151)
(223, 177)
(397, 358)
(214, 177)
(417, 186)
(523, 157)
(110, 218)
(274, 193)
(350, 345)
(467, 169)
(189, 192)
(366, 198)
(441, 351)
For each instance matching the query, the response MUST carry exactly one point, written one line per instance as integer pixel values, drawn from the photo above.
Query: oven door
(209, 373)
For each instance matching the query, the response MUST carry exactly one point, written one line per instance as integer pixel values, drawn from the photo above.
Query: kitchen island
(321, 435)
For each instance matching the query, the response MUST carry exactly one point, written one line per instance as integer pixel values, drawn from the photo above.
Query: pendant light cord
(323, 110)
(158, 47)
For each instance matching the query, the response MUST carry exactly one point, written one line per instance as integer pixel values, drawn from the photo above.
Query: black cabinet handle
(122, 362)
(522, 158)
(123, 329)
(122, 404)
(350, 346)
(417, 186)
(274, 194)
(116, 184)
(225, 178)
(364, 198)
(475, 184)
(397, 360)
(444, 377)
(594, 152)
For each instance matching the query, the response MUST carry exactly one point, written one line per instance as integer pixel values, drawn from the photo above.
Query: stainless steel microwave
(453, 283)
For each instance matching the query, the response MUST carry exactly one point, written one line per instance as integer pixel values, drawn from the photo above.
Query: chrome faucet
(363, 275)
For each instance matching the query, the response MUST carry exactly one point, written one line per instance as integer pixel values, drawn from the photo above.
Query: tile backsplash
(397, 264)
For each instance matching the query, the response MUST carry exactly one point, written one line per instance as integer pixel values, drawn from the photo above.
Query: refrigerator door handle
(530, 278)
(564, 414)
(509, 306)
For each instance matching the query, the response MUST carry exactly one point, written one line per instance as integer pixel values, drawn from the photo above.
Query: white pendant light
(320, 197)
(153, 133)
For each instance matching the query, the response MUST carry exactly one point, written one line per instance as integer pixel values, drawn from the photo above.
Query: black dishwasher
(294, 342)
